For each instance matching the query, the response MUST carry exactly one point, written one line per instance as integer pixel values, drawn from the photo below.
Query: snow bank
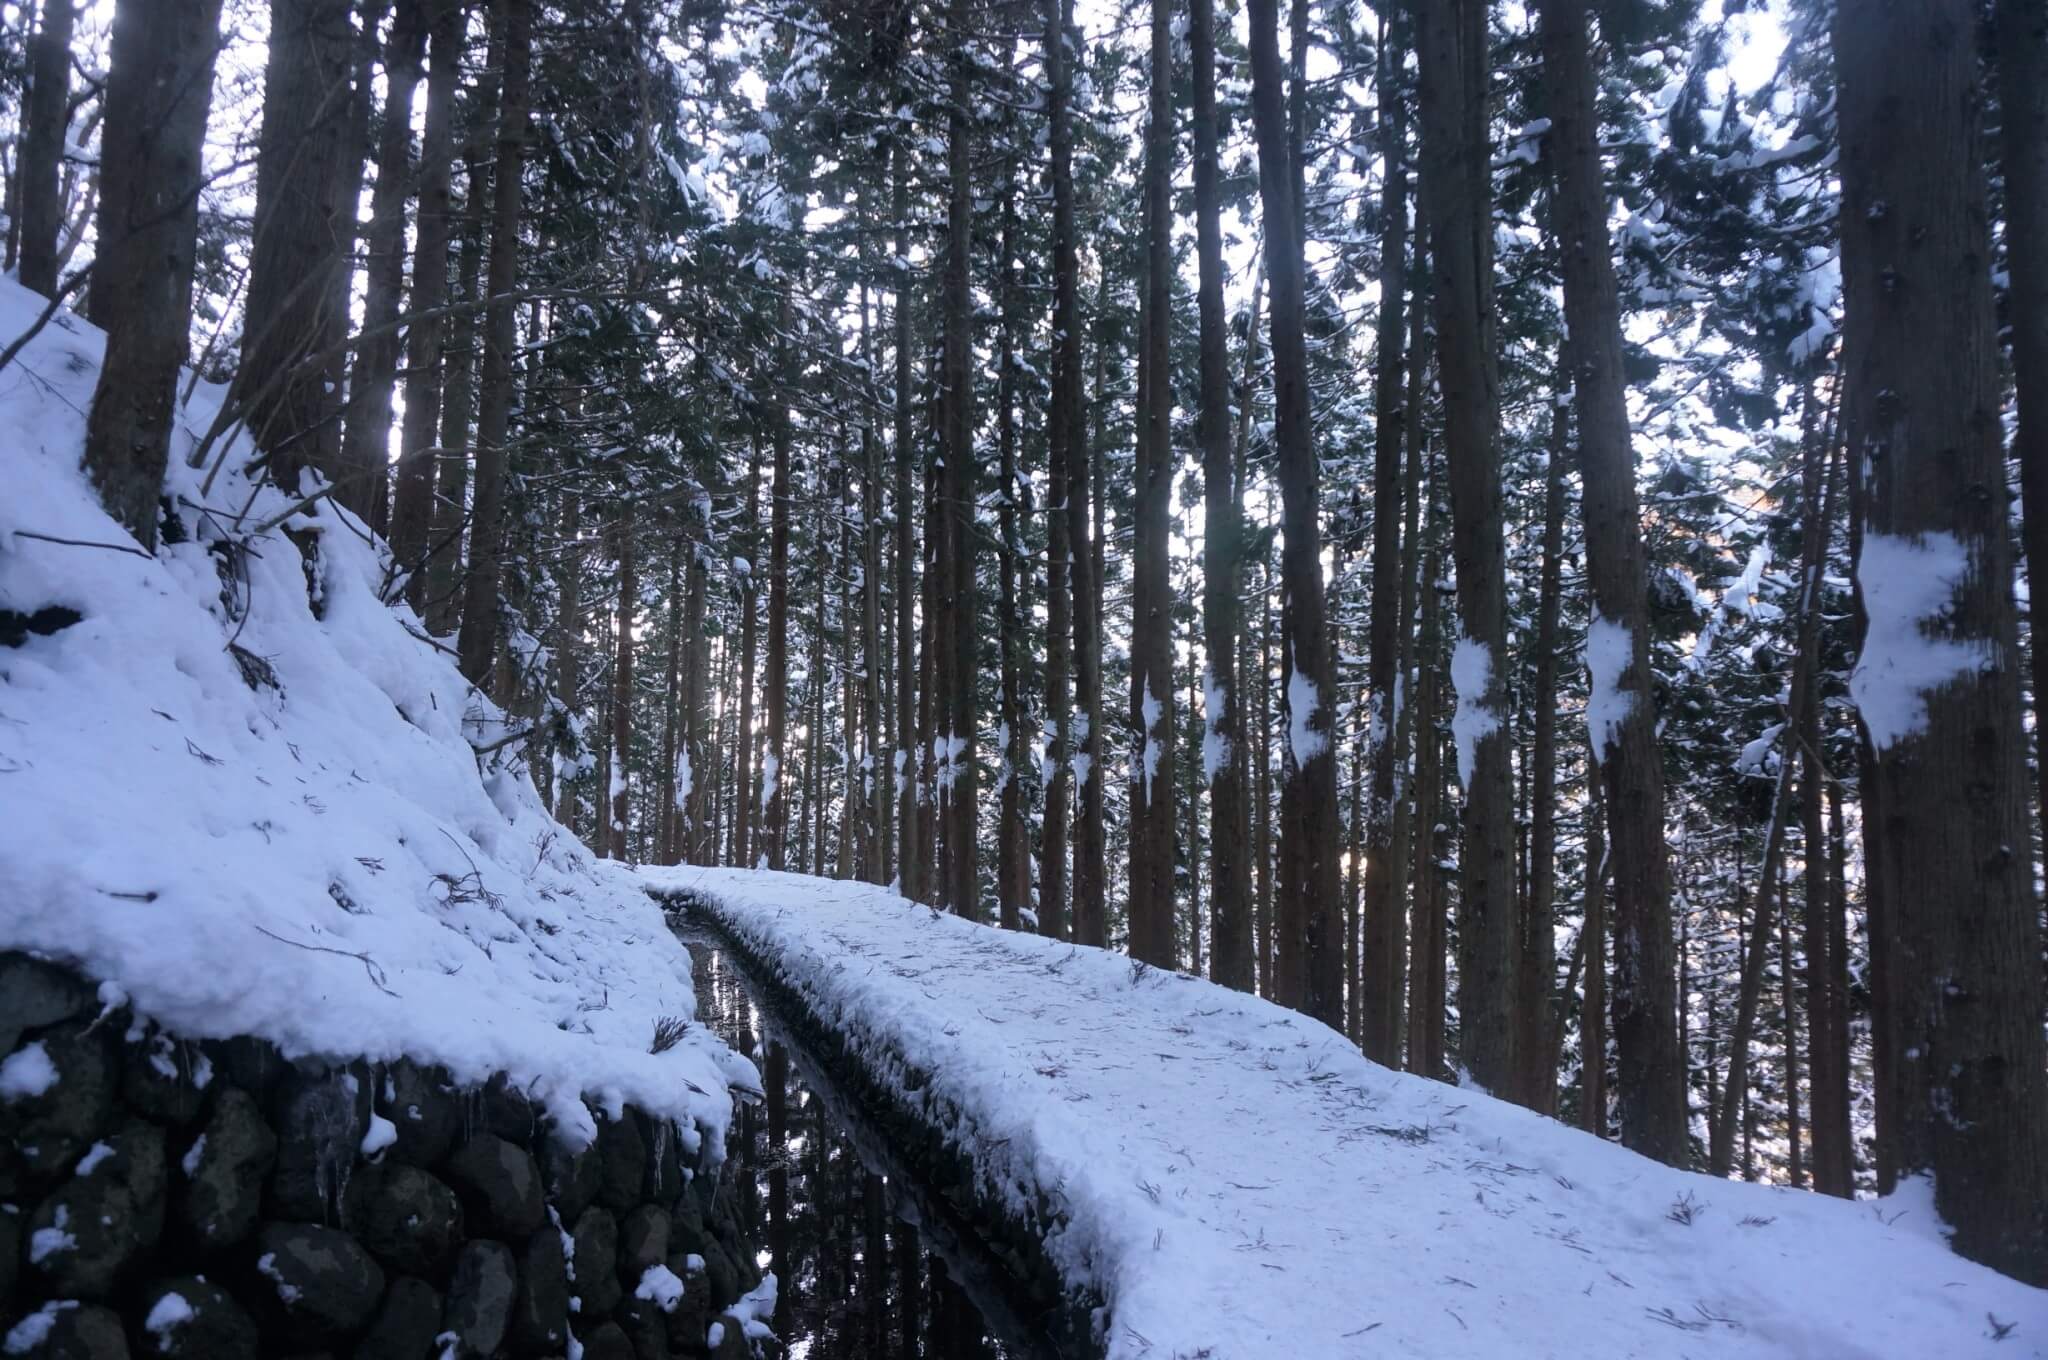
(295, 839)
(1238, 1182)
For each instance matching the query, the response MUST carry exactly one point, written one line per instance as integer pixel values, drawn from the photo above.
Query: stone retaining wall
(212, 1200)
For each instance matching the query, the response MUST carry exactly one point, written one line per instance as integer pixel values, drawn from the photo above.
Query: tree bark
(743, 812)
(301, 237)
(2021, 40)
(1650, 1064)
(1539, 952)
(1457, 183)
(1308, 921)
(1961, 934)
(618, 798)
(1090, 881)
(366, 439)
(1013, 841)
(1152, 828)
(45, 116)
(910, 864)
(773, 811)
(1222, 545)
(958, 624)
(1381, 963)
(1062, 440)
(159, 89)
(412, 500)
(478, 642)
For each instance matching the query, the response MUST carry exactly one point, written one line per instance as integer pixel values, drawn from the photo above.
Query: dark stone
(732, 1340)
(326, 1286)
(35, 994)
(406, 1323)
(210, 1325)
(507, 1111)
(88, 1230)
(569, 1176)
(643, 1242)
(596, 1261)
(500, 1187)
(10, 1255)
(608, 1342)
(690, 1317)
(686, 1231)
(480, 1297)
(540, 1315)
(69, 1330)
(250, 1063)
(665, 1170)
(723, 1274)
(622, 1157)
(408, 1220)
(165, 1078)
(426, 1109)
(646, 1328)
(51, 1131)
(222, 1196)
(321, 1116)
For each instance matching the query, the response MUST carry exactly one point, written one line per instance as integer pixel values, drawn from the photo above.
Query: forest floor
(1238, 1181)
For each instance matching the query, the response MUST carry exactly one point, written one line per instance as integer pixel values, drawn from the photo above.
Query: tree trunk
(958, 623)
(301, 237)
(1310, 956)
(1457, 183)
(1062, 440)
(1961, 934)
(1539, 961)
(666, 787)
(1427, 930)
(478, 642)
(1593, 1008)
(412, 500)
(1152, 686)
(1222, 547)
(773, 812)
(459, 368)
(2021, 41)
(1381, 963)
(910, 864)
(618, 798)
(46, 115)
(159, 89)
(1650, 1064)
(743, 804)
(366, 441)
(1091, 925)
(1013, 840)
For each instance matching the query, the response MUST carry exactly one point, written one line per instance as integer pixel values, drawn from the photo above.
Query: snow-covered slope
(1240, 1183)
(295, 839)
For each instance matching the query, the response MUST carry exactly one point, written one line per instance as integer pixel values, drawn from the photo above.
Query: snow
(28, 1335)
(1303, 739)
(1234, 1179)
(1474, 721)
(26, 1073)
(1909, 585)
(1215, 746)
(44, 1243)
(170, 1312)
(94, 1155)
(660, 1287)
(382, 1134)
(316, 855)
(755, 1309)
(1609, 649)
(1150, 712)
(266, 1266)
(189, 1163)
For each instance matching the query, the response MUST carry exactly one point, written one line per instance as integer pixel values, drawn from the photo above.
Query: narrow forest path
(1236, 1180)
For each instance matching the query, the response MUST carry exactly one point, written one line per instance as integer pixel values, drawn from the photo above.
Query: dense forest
(1496, 526)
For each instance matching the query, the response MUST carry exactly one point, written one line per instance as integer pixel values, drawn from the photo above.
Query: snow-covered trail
(1237, 1181)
